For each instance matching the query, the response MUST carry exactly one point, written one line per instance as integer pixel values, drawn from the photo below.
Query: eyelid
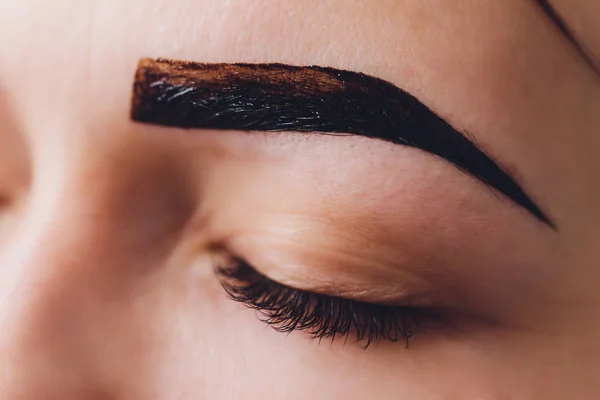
(354, 278)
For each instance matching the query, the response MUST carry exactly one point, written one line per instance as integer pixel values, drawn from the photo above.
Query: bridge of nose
(87, 239)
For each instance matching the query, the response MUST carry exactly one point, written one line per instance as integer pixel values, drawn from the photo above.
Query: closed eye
(288, 309)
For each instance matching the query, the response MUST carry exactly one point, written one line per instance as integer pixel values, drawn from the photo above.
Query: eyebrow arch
(310, 99)
(567, 32)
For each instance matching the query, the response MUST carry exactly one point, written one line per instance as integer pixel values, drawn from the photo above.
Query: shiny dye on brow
(278, 97)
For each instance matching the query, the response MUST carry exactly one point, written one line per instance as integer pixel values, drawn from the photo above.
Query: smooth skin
(108, 228)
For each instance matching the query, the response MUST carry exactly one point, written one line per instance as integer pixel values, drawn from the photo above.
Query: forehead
(397, 40)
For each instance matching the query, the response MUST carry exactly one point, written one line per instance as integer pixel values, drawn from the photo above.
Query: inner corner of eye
(221, 259)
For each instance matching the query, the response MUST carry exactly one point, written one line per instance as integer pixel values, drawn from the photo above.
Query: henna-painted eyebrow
(277, 97)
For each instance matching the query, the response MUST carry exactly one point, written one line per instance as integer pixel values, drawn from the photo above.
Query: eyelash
(323, 317)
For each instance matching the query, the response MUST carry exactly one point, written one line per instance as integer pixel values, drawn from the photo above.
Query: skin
(108, 228)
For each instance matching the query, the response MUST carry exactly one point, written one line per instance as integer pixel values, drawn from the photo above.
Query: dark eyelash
(287, 309)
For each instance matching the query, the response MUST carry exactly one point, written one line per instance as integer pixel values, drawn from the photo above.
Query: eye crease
(277, 97)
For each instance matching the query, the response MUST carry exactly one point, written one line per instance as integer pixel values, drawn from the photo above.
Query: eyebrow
(567, 32)
(309, 99)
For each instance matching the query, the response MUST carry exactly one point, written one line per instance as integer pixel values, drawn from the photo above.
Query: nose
(86, 240)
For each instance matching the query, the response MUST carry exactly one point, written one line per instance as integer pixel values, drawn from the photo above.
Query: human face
(112, 231)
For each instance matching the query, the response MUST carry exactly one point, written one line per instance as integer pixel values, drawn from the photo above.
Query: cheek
(201, 343)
